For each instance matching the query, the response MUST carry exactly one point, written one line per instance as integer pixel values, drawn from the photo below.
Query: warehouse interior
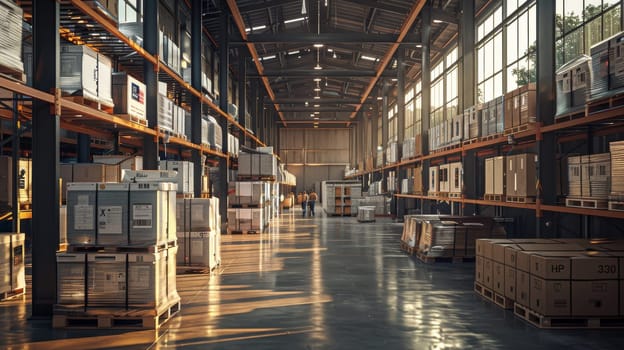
(311, 174)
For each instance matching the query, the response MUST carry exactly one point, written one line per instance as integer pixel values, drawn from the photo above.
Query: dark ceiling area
(330, 56)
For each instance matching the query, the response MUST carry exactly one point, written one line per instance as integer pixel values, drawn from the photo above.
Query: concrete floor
(318, 283)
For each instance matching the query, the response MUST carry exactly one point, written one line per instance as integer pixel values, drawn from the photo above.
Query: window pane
(573, 45)
(592, 9)
(512, 44)
(559, 56)
(573, 14)
(511, 78)
(498, 85)
(523, 35)
(496, 52)
(489, 60)
(612, 22)
(559, 19)
(532, 26)
(593, 32)
(511, 6)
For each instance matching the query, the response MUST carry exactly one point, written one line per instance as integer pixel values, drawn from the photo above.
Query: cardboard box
(550, 298)
(551, 266)
(498, 277)
(89, 172)
(488, 273)
(595, 266)
(498, 251)
(523, 288)
(510, 282)
(484, 245)
(595, 298)
(479, 265)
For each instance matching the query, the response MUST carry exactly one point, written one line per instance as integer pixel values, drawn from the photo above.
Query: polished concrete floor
(318, 283)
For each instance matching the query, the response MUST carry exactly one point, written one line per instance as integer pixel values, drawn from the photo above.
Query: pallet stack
(120, 263)
(589, 180)
(340, 197)
(495, 179)
(199, 234)
(520, 178)
(520, 109)
(554, 283)
(574, 81)
(11, 42)
(446, 180)
(248, 202)
(436, 238)
(616, 198)
(12, 265)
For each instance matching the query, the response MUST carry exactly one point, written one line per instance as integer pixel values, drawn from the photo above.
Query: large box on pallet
(589, 176)
(495, 175)
(87, 73)
(106, 279)
(600, 68)
(147, 279)
(197, 248)
(70, 279)
(247, 193)
(11, 40)
(418, 184)
(433, 179)
(444, 177)
(195, 214)
(24, 180)
(185, 174)
(520, 175)
(573, 84)
(165, 113)
(246, 219)
(112, 213)
(527, 100)
(128, 95)
(152, 213)
(12, 267)
(456, 177)
(81, 213)
(91, 172)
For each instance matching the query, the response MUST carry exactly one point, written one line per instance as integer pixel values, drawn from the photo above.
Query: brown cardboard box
(550, 247)
(510, 282)
(523, 260)
(484, 245)
(595, 298)
(520, 175)
(418, 185)
(498, 277)
(488, 273)
(523, 288)
(479, 262)
(595, 266)
(498, 251)
(511, 254)
(551, 266)
(509, 108)
(528, 106)
(89, 172)
(550, 297)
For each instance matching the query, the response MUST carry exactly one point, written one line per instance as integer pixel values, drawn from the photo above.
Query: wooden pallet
(92, 248)
(366, 221)
(494, 197)
(121, 319)
(567, 322)
(443, 259)
(519, 128)
(471, 141)
(519, 199)
(12, 294)
(587, 203)
(133, 119)
(406, 248)
(496, 298)
(91, 103)
(248, 205)
(571, 115)
(256, 178)
(194, 269)
(601, 104)
(616, 206)
(185, 195)
(13, 74)
(491, 137)
(243, 232)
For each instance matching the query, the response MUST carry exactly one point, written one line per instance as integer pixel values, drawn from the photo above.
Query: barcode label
(142, 216)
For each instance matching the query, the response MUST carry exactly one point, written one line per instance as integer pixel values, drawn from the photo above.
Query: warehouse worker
(312, 201)
(304, 202)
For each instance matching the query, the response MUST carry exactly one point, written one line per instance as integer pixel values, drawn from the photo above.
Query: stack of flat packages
(251, 193)
(185, 174)
(451, 236)
(366, 214)
(257, 165)
(215, 135)
(246, 220)
(607, 67)
(198, 239)
(412, 228)
(12, 268)
(86, 73)
(554, 277)
(409, 148)
(617, 171)
(121, 246)
(573, 84)
(24, 183)
(589, 176)
(495, 177)
(11, 40)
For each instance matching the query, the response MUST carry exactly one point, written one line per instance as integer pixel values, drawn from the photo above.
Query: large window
(413, 112)
(580, 24)
(130, 11)
(506, 48)
(392, 123)
(444, 88)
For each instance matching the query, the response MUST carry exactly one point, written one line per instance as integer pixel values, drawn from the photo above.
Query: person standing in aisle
(312, 201)
(304, 202)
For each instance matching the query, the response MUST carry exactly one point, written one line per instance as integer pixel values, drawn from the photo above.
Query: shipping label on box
(498, 279)
(550, 298)
(595, 298)
(510, 282)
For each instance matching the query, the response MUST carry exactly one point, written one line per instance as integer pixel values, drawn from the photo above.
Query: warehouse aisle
(318, 283)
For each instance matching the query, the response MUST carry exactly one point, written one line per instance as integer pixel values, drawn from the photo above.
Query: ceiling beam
(379, 4)
(320, 101)
(259, 5)
(326, 38)
(320, 121)
(238, 20)
(298, 73)
(344, 108)
(405, 28)
(444, 16)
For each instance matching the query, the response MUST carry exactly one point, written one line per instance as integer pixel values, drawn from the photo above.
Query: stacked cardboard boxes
(520, 177)
(198, 232)
(589, 180)
(86, 73)
(552, 278)
(574, 81)
(495, 178)
(339, 197)
(12, 267)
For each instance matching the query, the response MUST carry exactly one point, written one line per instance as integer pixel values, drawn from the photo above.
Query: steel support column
(15, 152)
(221, 183)
(467, 96)
(150, 44)
(253, 107)
(425, 79)
(545, 113)
(401, 172)
(84, 148)
(384, 118)
(242, 93)
(196, 107)
(45, 138)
